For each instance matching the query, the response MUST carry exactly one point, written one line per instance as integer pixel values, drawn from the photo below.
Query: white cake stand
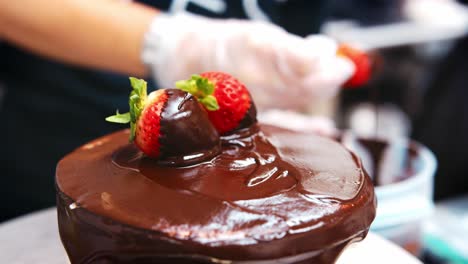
(34, 238)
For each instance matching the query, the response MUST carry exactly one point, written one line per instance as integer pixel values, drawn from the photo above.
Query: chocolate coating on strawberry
(169, 125)
(228, 102)
(186, 129)
(249, 119)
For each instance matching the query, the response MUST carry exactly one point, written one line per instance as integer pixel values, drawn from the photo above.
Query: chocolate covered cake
(258, 194)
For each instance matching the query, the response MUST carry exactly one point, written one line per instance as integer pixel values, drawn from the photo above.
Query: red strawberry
(362, 63)
(229, 104)
(148, 125)
(168, 124)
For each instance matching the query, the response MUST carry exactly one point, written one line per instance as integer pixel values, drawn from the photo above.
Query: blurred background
(418, 91)
(409, 123)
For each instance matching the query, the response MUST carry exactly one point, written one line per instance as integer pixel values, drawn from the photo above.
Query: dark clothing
(368, 12)
(443, 127)
(50, 108)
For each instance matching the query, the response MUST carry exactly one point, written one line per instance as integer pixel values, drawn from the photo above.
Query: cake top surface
(267, 183)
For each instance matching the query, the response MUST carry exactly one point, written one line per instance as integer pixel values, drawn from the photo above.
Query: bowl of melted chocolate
(402, 172)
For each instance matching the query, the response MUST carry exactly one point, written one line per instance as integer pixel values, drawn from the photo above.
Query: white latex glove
(320, 125)
(281, 70)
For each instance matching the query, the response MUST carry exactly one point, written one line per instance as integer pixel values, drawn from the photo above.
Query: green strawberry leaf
(204, 86)
(186, 86)
(119, 118)
(139, 87)
(136, 102)
(135, 110)
(210, 102)
(202, 89)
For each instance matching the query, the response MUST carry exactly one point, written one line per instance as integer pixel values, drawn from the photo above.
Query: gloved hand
(281, 70)
(320, 125)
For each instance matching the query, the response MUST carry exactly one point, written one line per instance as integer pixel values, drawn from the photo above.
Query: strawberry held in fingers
(362, 63)
(227, 101)
(169, 125)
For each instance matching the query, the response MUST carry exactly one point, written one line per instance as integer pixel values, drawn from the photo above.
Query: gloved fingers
(166, 37)
(296, 72)
(329, 77)
(321, 46)
(311, 69)
(261, 34)
(253, 57)
(300, 56)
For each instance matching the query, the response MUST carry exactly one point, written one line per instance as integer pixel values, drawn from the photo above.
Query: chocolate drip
(187, 135)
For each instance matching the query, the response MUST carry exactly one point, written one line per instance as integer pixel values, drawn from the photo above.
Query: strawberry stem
(202, 89)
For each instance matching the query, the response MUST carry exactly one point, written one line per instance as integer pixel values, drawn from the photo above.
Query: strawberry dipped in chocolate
(169, 125)
(228, 102)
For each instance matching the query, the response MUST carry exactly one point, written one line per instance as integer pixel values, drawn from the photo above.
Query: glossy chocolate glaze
(274, 195)
(184, 120)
